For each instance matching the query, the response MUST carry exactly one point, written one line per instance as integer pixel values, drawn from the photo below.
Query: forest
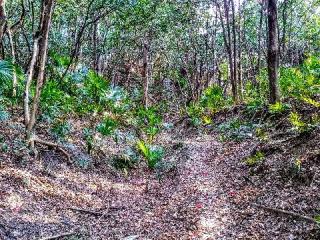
(159, 119)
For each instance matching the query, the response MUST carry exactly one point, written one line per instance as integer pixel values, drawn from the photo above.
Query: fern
(6, 71)
(6, 76)
(153, 154)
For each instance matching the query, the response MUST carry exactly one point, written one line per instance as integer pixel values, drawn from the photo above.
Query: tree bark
(227, 42)
(40, 52)
(3, 21)
(145, 76)
(13, 55)
(273, 55)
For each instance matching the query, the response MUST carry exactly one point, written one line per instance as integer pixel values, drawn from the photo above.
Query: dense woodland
(159, 119)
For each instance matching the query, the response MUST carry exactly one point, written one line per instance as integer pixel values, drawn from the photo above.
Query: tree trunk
(13, 55)
(145, 76)
(227, 42)
(273, 55)
(40, 52)
(235, 59)
(256, 83)
(3, 21)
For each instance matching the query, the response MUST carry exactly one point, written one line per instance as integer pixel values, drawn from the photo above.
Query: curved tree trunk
(40, 52)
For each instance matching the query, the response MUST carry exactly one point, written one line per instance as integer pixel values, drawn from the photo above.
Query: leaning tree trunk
(40, 52)
(273, 54)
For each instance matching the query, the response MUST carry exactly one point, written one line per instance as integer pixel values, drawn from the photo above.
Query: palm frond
(6, 71)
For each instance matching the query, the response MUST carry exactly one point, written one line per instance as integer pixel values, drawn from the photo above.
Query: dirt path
(206, 198)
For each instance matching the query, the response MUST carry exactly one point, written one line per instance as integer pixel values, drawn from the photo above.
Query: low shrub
(152, 154)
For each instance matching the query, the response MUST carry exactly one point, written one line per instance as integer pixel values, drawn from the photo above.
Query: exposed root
(54, 145)
(59, 236)
(285, 212)
(94, 213)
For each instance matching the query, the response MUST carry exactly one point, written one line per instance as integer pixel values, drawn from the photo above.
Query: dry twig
(292, 214)
(68, 234)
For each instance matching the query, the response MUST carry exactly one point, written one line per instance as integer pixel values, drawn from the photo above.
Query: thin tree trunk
(40, 52)
(235, 58)
(3, 21)
(273, 55)
(227, 42)
(145, 76)
(240, 80)
(256, 83)
(13, 56)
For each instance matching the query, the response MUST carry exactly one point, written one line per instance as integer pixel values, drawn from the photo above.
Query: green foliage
(236, 130)
(195, 112)
(118, 100)
(152, 154)
(261, 134)
(108, 126)
(55, 101)
(297, 123)
(213, 99)
(4, 115)
(315, 120)
(303, 81)
(91, 93)
(61, 129)
(311, 101)
(125, 161)
(255, 159)
(149, 120)
(59, 61)
(4, 147)
(6, 76)
(253, 97)
(278, 108)
(297, 166)
(88, 135)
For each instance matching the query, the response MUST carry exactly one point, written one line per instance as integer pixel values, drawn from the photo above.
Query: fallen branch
(292, 214)
(54, 145)
(59, 236)
(86, 211)
(95, 213)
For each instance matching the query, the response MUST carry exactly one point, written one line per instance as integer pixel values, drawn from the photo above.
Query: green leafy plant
(297, 165)
(261, 134)
(125, 161)
(6, 76)
(149, 120)
(4, 115)
(278, 108)
(195, 112)
(213, 99)
(236, 130)
(89, 139)
(107, 126)
(61, 129)
(297, 123)
(118, 100)
(255, 159)
(55, 101)
(152, 154)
